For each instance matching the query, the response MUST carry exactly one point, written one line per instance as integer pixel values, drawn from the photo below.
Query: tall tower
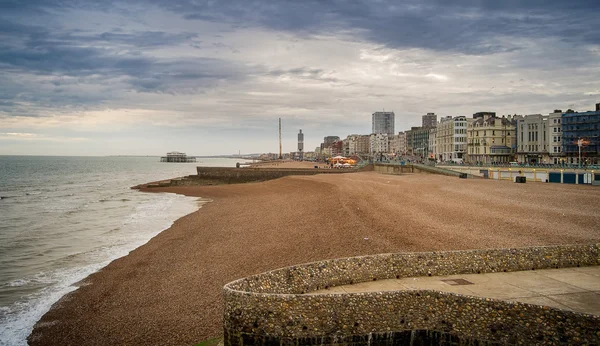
(301, 145)
(383, 122)
(280, 153)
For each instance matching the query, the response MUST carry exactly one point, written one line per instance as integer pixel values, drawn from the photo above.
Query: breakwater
(273, 307)
(231, 175)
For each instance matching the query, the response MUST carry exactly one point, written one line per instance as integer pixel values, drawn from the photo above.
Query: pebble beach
(168, 291)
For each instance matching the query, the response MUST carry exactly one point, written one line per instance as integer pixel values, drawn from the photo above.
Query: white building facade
(379, 143)
(532, 139)
(451, 139)
(555, 153)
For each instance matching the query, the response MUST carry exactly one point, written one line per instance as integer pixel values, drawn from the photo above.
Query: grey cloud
(141, 39)
(467, 26)
(305, 73)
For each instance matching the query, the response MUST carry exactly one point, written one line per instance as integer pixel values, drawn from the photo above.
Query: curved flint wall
(272, 307)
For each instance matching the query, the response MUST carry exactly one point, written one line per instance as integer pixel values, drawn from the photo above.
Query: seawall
(272, 307)
(232, 175)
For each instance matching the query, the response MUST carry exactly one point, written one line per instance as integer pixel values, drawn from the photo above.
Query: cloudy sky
(143, 77)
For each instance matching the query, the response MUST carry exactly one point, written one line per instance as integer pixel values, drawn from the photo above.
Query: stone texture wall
(229, 175)
(272, 308)
(393, 169)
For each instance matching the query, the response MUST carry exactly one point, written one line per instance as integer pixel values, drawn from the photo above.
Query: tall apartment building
(581, 131)
(555, 137)
(532, 139)
(429, 120)
(491, 139)
(383, 122)
(379, 143)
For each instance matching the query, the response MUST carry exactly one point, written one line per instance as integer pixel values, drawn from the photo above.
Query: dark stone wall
(272, 308)
(243, 175)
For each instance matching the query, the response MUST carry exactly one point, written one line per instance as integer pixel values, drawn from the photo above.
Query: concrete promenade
(574, 289)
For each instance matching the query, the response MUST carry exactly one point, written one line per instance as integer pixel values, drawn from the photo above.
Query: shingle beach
(168, 291)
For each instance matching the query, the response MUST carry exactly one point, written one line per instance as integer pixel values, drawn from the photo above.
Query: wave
(149, 215)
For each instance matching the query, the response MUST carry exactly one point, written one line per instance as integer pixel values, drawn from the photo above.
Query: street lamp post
(580, 144)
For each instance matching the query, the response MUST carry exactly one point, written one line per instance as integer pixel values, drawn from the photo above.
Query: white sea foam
(149, 218)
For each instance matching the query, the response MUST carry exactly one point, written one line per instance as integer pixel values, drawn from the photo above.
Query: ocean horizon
(63, 218)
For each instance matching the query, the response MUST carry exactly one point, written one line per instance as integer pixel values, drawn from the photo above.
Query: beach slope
(168, 292)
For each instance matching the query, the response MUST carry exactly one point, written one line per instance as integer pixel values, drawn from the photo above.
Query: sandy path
(168, 292)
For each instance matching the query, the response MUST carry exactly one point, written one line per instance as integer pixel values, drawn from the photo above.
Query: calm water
(63, 218)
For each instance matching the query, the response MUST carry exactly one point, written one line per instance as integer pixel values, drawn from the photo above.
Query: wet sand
(168, 292)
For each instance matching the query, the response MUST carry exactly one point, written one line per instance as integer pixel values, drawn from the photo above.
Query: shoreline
(168, 291)
(180, 206)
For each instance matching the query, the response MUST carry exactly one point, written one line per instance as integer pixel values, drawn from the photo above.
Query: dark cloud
(466, 26)
(33, 42)
(100, 58)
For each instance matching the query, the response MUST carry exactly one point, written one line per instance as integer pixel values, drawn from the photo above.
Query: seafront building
(451, 139)
(398, 144)
(581, 136)
(532, 139)
(357, 145)
(490, 139)
(485, 138)
(432, 152)
(383, 122)
(555, 152)
(380, 144)
(419, 141)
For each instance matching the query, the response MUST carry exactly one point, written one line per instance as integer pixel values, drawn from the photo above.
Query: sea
(64, 218)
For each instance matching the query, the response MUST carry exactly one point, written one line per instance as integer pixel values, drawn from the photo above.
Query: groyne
(233, 175)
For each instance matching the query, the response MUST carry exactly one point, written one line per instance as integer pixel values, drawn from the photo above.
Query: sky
(144, 77)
